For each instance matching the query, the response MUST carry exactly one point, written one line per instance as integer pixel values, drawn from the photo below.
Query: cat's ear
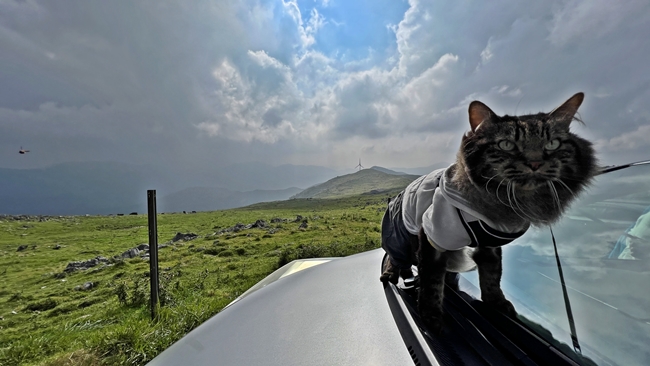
(479, 113)
(564, 114)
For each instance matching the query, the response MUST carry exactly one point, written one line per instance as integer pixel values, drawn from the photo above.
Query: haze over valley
(111, 188)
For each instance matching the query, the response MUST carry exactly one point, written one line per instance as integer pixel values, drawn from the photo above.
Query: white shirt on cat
(433, 203)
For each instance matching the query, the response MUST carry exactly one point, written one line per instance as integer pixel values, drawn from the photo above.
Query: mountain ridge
(364, 181)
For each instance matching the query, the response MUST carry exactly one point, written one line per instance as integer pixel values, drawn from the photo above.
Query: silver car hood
(335, 313)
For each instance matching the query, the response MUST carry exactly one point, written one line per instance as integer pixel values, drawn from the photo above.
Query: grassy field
(47, 318)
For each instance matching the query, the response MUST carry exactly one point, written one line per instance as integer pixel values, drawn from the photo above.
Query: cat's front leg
(488, 261)
(432, 266)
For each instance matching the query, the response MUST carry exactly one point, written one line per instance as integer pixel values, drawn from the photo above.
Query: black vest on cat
(482, 235)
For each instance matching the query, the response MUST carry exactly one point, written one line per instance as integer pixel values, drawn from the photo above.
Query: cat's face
(525, 153)
(528, 150)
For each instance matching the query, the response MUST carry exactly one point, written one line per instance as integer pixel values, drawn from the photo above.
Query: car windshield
(604, 248)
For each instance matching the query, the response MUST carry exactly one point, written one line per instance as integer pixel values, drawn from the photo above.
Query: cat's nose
(534, 164)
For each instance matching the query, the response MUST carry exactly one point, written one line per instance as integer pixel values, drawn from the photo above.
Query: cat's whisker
(551, 191)
(497, 194)
(509, 188)
(565, 186)
(488, 182)
(514, 198)
(556, 197)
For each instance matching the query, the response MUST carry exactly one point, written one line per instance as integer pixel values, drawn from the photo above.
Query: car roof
(335, 313)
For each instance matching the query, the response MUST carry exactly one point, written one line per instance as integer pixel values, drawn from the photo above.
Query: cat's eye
(506, 145)
(552, 145)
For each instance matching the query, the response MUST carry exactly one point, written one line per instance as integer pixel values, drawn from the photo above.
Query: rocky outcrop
(131, 253)
(184, 237)
(84, 265)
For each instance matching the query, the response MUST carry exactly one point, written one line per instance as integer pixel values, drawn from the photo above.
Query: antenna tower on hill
(359, 167)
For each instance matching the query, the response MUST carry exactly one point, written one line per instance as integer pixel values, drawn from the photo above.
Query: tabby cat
(511, 172)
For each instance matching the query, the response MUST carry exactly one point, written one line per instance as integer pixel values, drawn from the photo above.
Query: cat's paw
(503, 306)
(393, 277)
(432, 320)
(391, 273)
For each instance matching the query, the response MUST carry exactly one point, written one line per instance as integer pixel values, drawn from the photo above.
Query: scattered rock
(86, 286)
(57, 247)
(21, 248)
(131, 253)
(143, 246)
(184, 237)
(84, 265)
(38, 218)
(145, 257)
(303, 225)
(298, 218)
(260, 224)
(277, 220)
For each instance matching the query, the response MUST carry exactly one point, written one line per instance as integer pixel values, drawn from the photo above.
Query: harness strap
(482, 235)
(567, 303)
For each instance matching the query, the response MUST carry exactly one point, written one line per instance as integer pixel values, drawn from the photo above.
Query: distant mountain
(422, 170)
(363, 181)
(79, 188)
(109, 187)
(257, 175)
(388, 171)
(210, 198)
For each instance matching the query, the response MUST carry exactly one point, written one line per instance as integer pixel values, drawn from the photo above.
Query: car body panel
(334, 313)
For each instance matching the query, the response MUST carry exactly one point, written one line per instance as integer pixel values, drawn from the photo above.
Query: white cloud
(256, 106)
(308, 31)
(583, 20)
(633, 140)
(487, 54)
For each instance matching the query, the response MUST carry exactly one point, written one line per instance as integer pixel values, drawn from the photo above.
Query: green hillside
(363, 181)
(100, 316)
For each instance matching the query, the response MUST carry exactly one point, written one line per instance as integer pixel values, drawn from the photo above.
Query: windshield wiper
(613, 168)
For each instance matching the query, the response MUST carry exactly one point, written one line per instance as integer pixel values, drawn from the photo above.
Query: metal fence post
(153, 251)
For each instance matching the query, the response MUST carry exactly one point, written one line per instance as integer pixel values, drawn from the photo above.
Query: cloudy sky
(321, 82)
